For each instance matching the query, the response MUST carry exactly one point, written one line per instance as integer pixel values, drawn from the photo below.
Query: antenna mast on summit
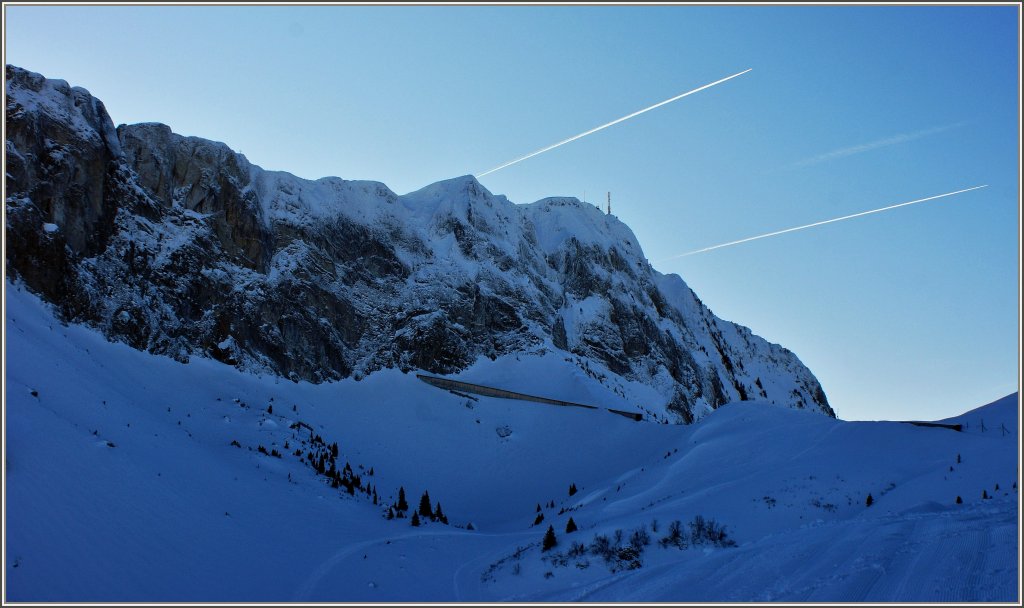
(609, 203)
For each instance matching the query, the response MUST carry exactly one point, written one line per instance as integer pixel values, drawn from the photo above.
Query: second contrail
(835, 219)
(614, 122)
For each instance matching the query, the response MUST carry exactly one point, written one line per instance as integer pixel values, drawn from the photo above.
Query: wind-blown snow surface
(122, 484)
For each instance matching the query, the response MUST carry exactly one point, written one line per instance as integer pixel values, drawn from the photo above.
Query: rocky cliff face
(179, 246)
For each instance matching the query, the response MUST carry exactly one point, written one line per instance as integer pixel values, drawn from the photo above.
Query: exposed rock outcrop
(179, 246)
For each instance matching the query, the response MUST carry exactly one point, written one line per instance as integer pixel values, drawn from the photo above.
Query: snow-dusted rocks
(178, 245)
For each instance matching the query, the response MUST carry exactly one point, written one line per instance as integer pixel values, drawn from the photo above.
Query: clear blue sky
(911, 313)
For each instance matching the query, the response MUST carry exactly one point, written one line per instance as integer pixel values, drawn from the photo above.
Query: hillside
(122, 484)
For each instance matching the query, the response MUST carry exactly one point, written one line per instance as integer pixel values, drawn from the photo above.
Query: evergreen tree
(870, 501)
(439, 515)
(425, 509)
(549, 541)
(959, 500)
(984, 494)
(402, 505)
(958, 458)
(540, 518)
(391, 513)
(415, 520)
(270, 409)
(334, 449)
(570, 527)
(538, 507)
(572, 489)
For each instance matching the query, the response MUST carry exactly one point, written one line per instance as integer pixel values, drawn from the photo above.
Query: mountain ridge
(180, 246)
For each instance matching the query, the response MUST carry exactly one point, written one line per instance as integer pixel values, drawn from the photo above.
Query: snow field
(122, 485)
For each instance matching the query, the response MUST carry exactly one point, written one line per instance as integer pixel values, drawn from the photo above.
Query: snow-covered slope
(122, 483)
(179, 246)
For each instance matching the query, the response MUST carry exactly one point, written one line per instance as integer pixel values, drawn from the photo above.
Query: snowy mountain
(207, 399)
(179, 246)
(134, 477)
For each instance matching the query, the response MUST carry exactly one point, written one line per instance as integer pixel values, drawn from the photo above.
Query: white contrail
(880, 143)
(614, 122)
(836, 219)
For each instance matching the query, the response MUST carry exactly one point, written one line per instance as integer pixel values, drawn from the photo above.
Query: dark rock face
(203, 177)
(179, 246)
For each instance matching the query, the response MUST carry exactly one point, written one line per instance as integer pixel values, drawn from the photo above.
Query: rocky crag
(179, 246)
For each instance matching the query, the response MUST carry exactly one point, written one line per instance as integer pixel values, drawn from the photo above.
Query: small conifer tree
(570, 527)
(425, 510)
(415, 520)
(959, 500)
(402, 505)
(572, 489)
(984, 494)
(540, 518)
(549, 541)
(870, 501)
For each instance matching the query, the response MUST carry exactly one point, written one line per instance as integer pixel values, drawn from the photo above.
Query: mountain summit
(179, 246)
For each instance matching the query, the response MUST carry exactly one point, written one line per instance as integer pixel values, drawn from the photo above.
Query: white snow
(560, 218)
(64, 103)
(122, 485)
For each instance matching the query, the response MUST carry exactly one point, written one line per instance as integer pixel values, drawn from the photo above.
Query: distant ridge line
(489, 391)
